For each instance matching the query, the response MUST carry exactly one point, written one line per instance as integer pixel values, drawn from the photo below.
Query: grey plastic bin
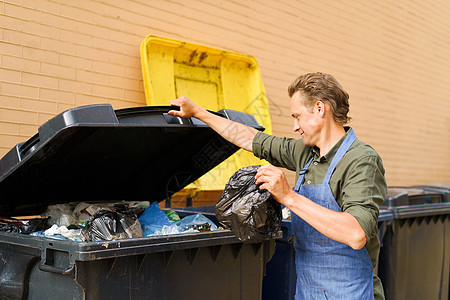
(443, 188)
(414, 259)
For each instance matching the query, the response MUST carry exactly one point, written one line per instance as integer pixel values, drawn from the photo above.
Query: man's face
(306, 120)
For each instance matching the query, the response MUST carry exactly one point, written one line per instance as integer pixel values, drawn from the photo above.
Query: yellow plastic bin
(215, 79)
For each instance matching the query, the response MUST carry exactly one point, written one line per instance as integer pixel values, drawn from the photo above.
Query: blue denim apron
(327, 269)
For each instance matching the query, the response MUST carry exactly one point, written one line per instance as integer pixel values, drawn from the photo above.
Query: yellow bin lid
(214, 79)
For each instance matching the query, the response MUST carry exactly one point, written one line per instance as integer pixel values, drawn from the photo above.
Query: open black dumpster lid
(93, 153)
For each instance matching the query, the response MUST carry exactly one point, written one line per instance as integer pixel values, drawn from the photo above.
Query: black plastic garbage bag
(252, 214)
(22, 226)
(108, 225)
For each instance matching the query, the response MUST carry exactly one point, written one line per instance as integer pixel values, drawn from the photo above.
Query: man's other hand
(273, 180)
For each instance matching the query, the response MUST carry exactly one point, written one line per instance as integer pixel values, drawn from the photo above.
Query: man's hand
(236, 133)
(273, 180)
(188, 108)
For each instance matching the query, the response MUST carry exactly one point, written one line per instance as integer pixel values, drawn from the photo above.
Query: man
(340, 185)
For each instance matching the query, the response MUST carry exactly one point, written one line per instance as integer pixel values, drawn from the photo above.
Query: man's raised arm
(236, 133)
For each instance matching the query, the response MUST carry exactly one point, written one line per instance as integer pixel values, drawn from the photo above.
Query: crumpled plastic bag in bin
(252, 214)
(108, 225)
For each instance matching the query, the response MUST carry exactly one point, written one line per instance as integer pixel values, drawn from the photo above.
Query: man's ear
(320, 107)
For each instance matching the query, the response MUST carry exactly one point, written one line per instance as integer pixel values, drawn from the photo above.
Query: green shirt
(357, 184)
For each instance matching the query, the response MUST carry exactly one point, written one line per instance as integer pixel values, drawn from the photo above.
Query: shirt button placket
(309, 181)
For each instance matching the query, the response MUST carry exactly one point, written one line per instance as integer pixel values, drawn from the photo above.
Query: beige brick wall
(391, 56)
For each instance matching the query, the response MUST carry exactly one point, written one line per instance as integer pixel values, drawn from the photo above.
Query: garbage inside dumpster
(196, 222)
(172, 215)
(60, 232)
(107, 226)
(22, 226)
(155, 221)
(108, 222)
(252, 214)
(60, 215)
(112, 222)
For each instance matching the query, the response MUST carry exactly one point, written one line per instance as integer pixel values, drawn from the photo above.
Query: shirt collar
(329, 156)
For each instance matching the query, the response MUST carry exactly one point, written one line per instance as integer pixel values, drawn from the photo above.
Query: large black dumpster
(414, 259)
(97, 154)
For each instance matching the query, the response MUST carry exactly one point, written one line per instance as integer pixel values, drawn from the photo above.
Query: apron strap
(301, 176)
(348, 141)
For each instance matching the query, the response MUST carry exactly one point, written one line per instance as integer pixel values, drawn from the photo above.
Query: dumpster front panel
(192, 273)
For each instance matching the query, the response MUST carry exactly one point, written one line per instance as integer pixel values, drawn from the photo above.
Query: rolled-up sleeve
(280, 152)
(364, 191)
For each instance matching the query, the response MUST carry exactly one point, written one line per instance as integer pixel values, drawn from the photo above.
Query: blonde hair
(324, 87)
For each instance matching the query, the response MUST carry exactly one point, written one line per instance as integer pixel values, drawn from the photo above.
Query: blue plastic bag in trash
(153, 219)
(195, 222)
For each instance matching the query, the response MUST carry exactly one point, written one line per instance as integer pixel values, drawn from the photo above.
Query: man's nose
(296, 126)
